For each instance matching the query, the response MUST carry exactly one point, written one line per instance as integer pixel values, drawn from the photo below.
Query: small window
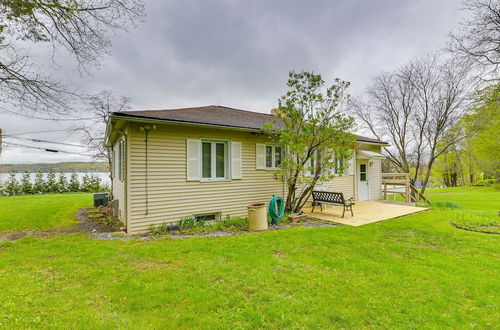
(113, 168)
(362, 172)
(214, 160)
(208, 217)
(120, 160)
(274, 157)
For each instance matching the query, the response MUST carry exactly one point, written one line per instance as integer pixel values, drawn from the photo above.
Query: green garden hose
(276, 209)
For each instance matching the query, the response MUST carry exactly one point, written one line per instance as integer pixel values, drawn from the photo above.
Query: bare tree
(415, 109)
(477, 40)
(81, 27)
(93, 133)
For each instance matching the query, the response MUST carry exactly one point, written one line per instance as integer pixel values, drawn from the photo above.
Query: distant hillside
(65, 167)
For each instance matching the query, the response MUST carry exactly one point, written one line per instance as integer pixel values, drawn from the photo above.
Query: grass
(411, 272)
(474, 198)
(41, 212)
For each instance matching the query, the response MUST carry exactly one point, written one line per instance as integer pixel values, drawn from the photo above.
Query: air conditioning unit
(101, 199)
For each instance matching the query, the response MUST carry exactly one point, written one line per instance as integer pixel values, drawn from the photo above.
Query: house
(210, 162)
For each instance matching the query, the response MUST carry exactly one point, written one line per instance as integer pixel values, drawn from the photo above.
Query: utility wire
(46, 141)
(10, 144)
(37, 132)
(32, 116)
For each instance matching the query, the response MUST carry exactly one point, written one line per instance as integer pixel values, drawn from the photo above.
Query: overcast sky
(238, 54)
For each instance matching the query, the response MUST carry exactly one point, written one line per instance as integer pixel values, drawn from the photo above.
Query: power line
(45, 118)
(37, 132)
(10, 144)
(46, 141)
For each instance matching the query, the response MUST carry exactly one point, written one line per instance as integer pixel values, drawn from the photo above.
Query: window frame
(213, 160)
(273, 156)
(217, 216)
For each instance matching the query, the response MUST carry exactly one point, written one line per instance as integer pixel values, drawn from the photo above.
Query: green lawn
(412, 272)
(474, 198)
(41, 212)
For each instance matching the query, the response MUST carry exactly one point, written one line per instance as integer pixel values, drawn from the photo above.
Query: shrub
(51, 184)
(39, 184)
(26, 186)
(62, 183)
(231, 224)
(74, 184)
(95, 183)
(12, 186)
(485, 182)
(85, 185)
(159, 230)
(445, 205)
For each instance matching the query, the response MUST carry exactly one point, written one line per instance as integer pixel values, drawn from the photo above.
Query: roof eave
(138, 118)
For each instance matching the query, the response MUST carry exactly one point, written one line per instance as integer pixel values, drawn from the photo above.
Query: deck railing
(400, 183)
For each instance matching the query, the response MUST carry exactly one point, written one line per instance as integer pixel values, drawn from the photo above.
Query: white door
(363, 191)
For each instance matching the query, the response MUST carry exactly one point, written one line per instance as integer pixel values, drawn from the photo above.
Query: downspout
(146, 129)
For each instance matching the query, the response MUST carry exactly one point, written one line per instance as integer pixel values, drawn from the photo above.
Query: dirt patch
(17, 235)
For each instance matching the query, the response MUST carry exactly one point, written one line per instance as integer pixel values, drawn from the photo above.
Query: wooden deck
(365, 212)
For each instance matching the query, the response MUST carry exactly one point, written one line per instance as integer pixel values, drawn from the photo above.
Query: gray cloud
(238, 53)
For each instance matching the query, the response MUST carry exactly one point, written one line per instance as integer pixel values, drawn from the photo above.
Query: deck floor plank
(365, 212)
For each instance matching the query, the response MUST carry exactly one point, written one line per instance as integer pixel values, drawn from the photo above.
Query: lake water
(103, 175)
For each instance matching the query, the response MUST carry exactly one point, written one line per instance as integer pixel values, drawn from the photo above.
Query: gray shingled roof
(215, 115)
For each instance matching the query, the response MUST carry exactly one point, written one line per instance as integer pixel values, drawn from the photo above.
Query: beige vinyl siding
(118, 185)
(343, 184)
(170, 196)
(375, 179)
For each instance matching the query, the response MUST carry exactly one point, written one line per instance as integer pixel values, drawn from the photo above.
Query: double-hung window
(274, 156)
(214, 160)
(339, 166)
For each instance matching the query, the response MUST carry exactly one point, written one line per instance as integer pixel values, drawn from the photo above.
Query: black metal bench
(332, 198)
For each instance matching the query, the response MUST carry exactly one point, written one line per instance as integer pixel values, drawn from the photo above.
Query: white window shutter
(193, 160)
(260, 156)
(236, 160)
(352, 163)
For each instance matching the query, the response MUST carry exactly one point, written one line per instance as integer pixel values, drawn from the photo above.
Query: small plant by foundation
(104, 218)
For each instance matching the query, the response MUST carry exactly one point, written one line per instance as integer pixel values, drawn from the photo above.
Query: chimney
(277, 111)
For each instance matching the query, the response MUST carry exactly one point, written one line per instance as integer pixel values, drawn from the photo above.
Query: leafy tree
(74, 184)
(484, 120)
(62, 183)
(51, 185)
(26, 185)
(313, 131)
(39, 186)
(12, 186)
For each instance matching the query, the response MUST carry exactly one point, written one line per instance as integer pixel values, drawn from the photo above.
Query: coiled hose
(276, 209)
